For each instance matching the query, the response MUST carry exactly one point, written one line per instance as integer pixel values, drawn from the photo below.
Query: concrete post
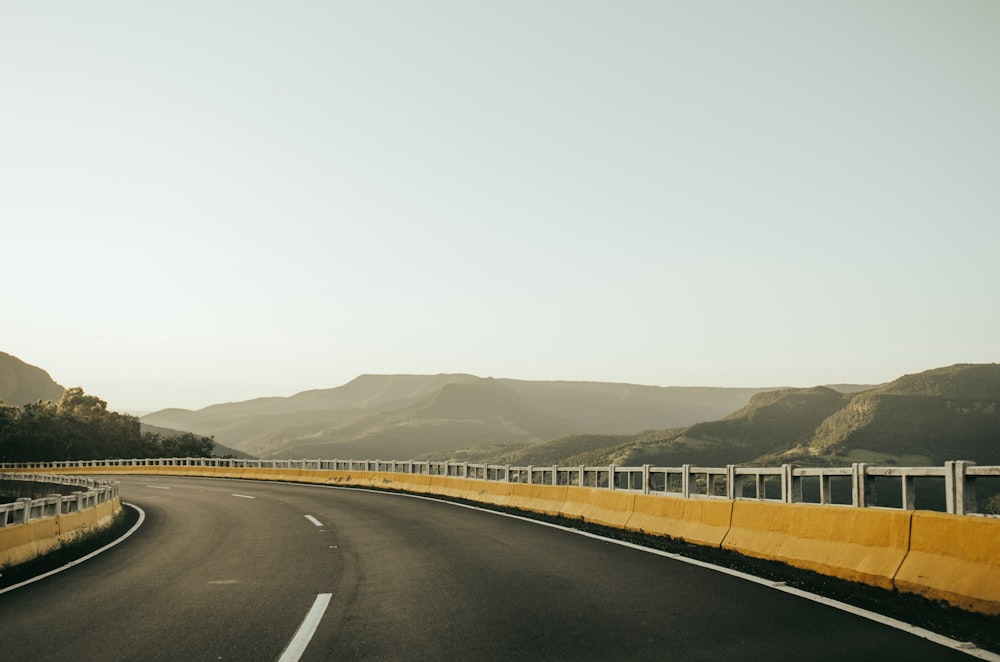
(909, 493)
(791, 485)
(825, 484)
(56, 502)
(26, 512)
(959, 487)
(864, 493)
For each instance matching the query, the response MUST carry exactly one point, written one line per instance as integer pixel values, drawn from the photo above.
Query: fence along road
(956, 480)
(215, 575)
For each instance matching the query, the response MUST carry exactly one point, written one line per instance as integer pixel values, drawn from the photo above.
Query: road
(229, 570)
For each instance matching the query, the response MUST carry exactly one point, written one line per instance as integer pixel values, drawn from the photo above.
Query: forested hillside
(80, 427)
(950, 413)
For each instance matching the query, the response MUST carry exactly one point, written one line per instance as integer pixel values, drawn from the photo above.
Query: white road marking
(243, 496)
(158, 487)
(314, 520)
(297, 646)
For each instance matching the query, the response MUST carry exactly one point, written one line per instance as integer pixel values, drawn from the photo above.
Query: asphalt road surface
(232, 570)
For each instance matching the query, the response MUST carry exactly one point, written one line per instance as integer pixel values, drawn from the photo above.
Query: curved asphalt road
(214, 575)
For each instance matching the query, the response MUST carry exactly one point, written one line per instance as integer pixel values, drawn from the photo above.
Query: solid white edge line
(135, 527)
(314, 520)
(243, 496)
(297, 646)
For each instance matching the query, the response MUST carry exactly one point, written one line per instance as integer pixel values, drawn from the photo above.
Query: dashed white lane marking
(314, 520)
(297, 646)
(243, 496)
(158, 487)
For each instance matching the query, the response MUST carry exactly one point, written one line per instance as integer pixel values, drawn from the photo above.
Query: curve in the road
(214, 574)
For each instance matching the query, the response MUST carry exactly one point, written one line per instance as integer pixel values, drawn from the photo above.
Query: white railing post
(863, 485)
(26, 510)
(960, 488)
(686, 481)
(909, 493)
(791, 485)
(732, 491)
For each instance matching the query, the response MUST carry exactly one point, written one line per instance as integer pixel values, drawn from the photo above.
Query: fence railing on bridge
(950, 488)
(23, 510)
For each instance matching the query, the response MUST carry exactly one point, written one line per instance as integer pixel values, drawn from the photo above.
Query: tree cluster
(80, 427)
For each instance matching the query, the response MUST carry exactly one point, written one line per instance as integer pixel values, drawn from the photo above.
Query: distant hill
(406, 416)
(927, 418)
(22, 384)
(944, 414)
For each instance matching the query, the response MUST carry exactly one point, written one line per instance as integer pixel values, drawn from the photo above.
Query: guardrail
(858, 485)
(25, 510)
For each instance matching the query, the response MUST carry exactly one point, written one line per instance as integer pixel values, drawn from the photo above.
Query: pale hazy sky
(212, 201)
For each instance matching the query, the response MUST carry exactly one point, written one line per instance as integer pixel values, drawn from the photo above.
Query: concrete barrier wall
(23, 542)
(954, 558)
(547, 499)
(599, 506)
(944, 557)
(858, 544)
(698, 521)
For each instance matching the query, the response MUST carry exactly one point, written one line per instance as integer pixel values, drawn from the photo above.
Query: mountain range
(926, 418)
(406, 416)
(923, 419)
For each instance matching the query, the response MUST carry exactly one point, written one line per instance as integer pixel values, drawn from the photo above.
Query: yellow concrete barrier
(23, 542)
(548, 499)
(599, 506)
(858, 544)
(20, 543)
(954, 558)
(492, 492)
(419, 483)
(449, 486)
(698, 521)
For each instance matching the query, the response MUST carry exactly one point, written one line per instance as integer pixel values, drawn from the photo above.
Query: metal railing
(861, 485)
(24, 510)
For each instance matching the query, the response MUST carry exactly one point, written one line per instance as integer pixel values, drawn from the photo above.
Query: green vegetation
(80, 427)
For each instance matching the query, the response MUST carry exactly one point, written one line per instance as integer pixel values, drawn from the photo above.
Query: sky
(206, 202)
